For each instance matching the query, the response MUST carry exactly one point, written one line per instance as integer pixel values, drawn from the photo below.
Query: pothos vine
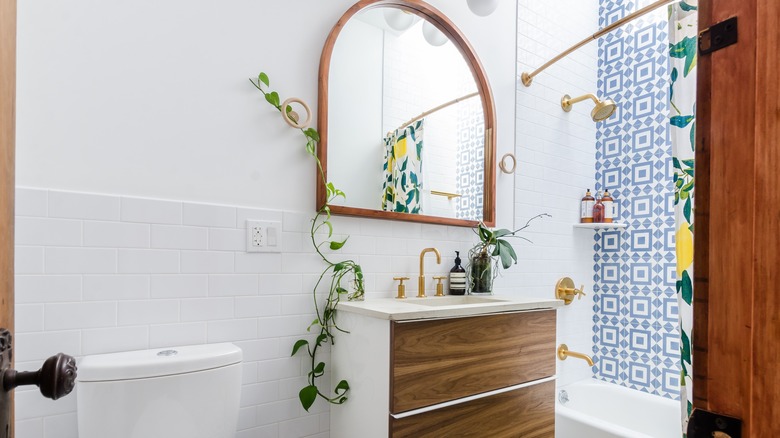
(342, 276)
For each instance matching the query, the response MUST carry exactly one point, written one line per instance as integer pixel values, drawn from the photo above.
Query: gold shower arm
(567, 101)
(527, 78)
(440, 107)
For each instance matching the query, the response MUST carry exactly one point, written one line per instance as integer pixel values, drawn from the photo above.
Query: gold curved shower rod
(527, 78)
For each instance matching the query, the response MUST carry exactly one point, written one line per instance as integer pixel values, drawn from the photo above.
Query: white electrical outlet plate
(263, 236)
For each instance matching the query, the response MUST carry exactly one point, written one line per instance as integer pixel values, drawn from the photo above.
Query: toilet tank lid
(157, 362)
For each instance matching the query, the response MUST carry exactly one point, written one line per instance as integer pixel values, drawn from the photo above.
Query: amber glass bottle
(586, 208)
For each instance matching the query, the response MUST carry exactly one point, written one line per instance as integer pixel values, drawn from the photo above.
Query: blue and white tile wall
(636, 342)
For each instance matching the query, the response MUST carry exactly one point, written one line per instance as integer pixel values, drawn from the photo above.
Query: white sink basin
(452, 300)
(450, 306)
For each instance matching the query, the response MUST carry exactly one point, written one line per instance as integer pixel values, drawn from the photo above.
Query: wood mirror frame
(438, 19)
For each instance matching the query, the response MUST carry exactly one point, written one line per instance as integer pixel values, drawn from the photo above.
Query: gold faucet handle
(439, 285)
(579, 292)
(401, 287)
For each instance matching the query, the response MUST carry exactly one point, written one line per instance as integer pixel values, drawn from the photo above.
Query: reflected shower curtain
(683, 33)
(402, 170)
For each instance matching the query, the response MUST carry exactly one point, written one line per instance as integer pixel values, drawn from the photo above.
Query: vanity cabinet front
(487, 375)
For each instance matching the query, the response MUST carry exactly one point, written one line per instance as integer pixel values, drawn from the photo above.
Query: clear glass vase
(481, 278)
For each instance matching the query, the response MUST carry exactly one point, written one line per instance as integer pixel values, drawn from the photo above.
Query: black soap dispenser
(457, 277)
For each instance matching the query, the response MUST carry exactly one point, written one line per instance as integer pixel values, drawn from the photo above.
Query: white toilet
(179, 392)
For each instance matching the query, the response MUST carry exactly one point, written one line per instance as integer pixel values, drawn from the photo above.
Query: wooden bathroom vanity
(420, 369)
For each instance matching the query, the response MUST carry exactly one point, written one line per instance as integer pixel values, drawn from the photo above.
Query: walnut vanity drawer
(528, 412)
(435, 361)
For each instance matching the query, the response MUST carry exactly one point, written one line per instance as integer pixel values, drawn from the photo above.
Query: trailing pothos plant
(343, 278)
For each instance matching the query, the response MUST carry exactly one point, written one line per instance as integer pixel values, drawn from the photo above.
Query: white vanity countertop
(444, 307)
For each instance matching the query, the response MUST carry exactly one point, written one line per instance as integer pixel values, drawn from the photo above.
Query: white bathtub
(598, 409)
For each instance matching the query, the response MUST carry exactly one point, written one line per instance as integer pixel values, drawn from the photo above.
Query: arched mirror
(406, 117)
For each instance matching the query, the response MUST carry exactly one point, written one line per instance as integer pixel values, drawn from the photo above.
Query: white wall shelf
(598, 226)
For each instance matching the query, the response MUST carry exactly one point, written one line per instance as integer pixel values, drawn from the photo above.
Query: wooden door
(737, 268)
(7, 146)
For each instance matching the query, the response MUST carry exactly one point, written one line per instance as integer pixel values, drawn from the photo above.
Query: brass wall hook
(565, 290)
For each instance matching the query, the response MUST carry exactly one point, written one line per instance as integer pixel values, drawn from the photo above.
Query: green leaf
(342, 388)
(686, 289)
(319, 369)
(685, 49)
(508, 255)
(321, 338)
(312, 134)
(308, 395)
(313, 323)
(288, 110)
(262, 77)
(298, 344)
(273, 98)
(310, 147)
(676, 163)
(686, 7)
(330, 228)
(687, 210)
(337, 245)
(338, 266)
(501, 233)
(681, 121)
(685, 347)
(689, 163)
(693, 136)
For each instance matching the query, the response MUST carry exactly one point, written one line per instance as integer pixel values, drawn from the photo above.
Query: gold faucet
(564, 352)
(421, 280)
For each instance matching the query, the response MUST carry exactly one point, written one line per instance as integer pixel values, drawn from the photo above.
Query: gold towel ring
(292, 118)
(503, 166)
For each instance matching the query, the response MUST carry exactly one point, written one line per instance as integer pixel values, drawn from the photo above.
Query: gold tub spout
(564, 352)
(421, 280)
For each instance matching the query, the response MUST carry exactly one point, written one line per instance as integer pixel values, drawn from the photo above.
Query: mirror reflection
(405, 121)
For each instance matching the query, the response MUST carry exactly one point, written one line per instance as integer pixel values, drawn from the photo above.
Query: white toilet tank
(178, 392)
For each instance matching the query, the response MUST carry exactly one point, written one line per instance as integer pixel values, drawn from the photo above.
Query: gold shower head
(602, 111)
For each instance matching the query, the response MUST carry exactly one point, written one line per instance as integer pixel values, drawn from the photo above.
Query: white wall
(147, 105)
(556, 160)
(149, 101)
(151, 98)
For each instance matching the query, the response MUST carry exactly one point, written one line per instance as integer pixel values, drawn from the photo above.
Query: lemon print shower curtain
(402, 170)
(683, 29)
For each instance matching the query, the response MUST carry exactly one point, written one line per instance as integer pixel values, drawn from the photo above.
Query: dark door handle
(56, 377)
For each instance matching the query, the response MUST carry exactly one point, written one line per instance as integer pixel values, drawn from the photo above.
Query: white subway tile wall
(112, 273)
(556, 161)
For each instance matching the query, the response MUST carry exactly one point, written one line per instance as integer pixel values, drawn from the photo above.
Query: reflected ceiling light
(433, 35)
(602, 111)
(399, 20)
(483, 8)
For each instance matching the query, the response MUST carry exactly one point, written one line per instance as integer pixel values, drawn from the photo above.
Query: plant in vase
(491, 252)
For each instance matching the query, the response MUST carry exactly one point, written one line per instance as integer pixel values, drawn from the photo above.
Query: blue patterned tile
(634, 269)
